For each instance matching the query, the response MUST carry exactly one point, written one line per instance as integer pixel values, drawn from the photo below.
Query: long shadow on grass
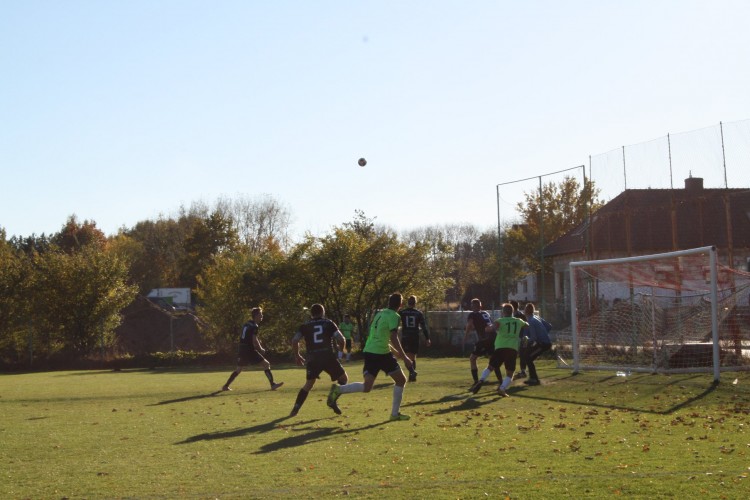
(464, 402)
(186, 398)
(256, 429)
(316, 434)
(528, 392)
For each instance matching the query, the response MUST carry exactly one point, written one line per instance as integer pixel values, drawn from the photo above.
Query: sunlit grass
(171, 434)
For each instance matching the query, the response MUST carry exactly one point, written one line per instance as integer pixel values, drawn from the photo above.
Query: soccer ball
(362, 162)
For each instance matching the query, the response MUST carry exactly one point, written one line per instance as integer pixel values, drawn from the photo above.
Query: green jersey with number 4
(508, 330)
(380, 331)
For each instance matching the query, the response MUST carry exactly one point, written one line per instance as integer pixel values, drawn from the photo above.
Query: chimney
(694, 185)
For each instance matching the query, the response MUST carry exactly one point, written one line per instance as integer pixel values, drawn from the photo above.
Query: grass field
(169, 434)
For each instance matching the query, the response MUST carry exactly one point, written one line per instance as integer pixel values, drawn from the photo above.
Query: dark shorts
(348, 346)
(484, 347)
(504, 356)
(410, 343)
(328, 364)
(374, 363)
(248, 356)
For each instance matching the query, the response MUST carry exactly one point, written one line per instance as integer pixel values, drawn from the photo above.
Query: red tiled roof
(640, 221)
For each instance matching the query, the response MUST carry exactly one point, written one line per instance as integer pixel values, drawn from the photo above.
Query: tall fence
(719, 154)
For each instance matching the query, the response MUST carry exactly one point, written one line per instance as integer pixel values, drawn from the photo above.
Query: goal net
(668, 313)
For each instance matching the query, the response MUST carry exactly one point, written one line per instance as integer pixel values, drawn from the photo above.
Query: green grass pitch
(170, 434)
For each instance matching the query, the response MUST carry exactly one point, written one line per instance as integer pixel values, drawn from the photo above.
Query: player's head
(317, 310)
(395, 301)
(507, 310)
(476, 304)
(347, 317)
(256, 313)
(514, 303)
(528, 310)
(412, 301)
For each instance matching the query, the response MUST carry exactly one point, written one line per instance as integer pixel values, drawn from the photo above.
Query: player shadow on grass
(464, 401)
(186, 398)
(256, 429)
(316, 434)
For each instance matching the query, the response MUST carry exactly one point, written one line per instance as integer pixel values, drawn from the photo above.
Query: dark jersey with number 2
(318, 334)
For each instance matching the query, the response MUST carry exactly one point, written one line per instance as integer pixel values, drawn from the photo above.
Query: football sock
(269, 376)
(485, 374)
(506, 383)
(301, 397)
(231, 378)
(475, 374)
(353, 387)
(398, 394)
(414, 364)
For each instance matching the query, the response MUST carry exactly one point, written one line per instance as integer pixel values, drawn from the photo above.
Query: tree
(78, 298)
(545, 217)
(261, 223)
(467, 255)
(75, 235)
(355, 267)
(208, 237)
(14, 302)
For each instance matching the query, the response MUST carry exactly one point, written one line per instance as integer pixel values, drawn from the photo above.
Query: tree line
(61, 295)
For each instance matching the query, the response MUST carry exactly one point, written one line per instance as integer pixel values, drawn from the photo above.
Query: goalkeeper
(538, 341)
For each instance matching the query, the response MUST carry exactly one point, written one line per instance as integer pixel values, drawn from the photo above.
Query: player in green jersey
(378, 356)
(507, 329)
(346, 327)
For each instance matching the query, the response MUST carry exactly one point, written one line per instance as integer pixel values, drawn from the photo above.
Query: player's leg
(399, 382)
(232, 376)
(348, 347)
(532, 354)
(302, 395)
(492, 365)
(334, 369)
(473, 364)
(370, 372)
(509, 360)
(266, 366)
(523, 357)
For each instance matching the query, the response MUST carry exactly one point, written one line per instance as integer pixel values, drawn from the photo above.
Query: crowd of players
(515, 335)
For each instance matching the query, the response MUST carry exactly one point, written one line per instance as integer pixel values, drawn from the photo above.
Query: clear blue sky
(119, 111)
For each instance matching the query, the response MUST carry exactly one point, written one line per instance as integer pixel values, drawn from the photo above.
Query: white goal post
(664, 313)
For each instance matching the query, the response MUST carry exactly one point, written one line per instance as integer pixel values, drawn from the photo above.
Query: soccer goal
(665, 313)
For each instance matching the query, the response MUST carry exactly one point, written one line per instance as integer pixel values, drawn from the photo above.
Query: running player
(378, 356)
(251, 351)
(346, 327)
(319, 335)
(478, 321)
(411, 321)
(507, 329)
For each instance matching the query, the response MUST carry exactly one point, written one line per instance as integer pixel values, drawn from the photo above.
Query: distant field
(169, 434)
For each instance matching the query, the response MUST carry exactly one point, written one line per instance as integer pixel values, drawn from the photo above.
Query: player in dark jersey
(411, 321)
(523, 346)
(478, 321)
(322, 342)
(251, 351)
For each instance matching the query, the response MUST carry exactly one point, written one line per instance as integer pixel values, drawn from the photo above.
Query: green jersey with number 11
(508, 331)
